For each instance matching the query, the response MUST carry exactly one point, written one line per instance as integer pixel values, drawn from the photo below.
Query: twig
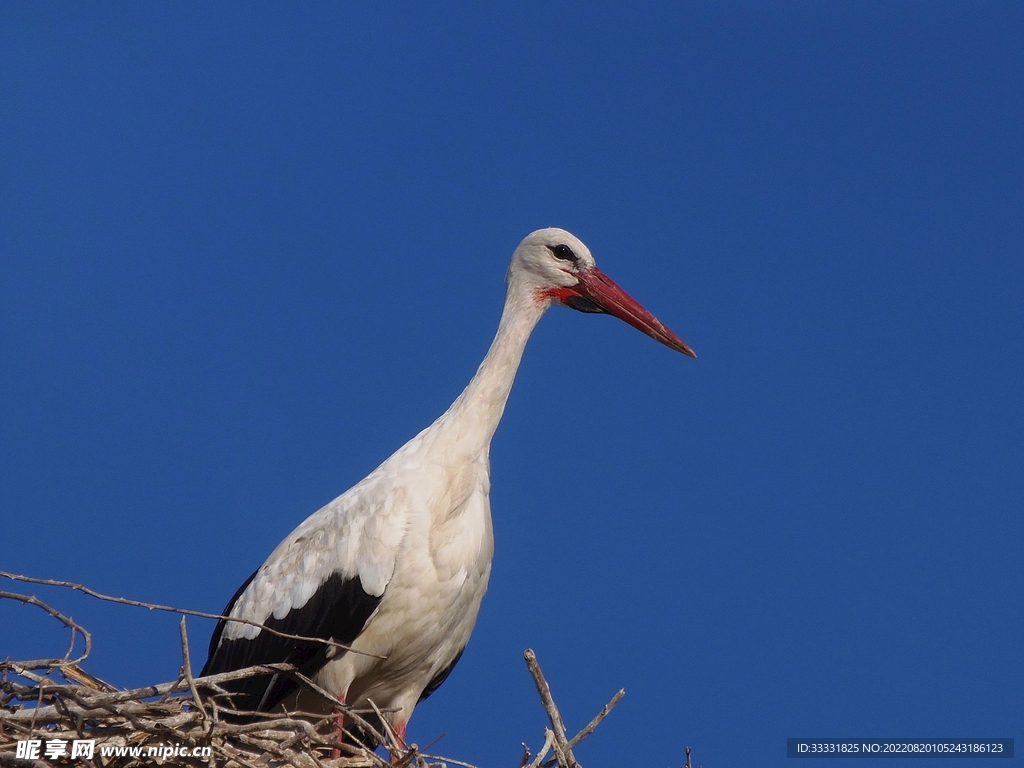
(393, 743)
(186, 668)
(549, 738)
(589, 729)
(560, 744)
(65, 620)
(76, 674)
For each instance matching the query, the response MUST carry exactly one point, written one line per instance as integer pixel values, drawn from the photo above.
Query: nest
(53, 712)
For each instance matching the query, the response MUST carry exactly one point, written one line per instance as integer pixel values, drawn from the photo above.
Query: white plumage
(396, 567)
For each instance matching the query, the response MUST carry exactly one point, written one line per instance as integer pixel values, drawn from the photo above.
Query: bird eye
(564, 252)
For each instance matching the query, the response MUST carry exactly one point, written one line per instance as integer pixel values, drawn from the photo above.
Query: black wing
(337, 611)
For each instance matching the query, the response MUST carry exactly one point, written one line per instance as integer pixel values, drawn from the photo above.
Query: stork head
(560, 269)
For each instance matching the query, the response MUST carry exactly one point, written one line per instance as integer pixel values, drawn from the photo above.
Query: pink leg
(338, 729)
(399, 729)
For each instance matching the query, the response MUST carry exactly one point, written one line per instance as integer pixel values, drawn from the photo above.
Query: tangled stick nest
(59, 707)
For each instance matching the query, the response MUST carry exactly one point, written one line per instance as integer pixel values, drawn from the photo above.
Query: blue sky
(249, 250)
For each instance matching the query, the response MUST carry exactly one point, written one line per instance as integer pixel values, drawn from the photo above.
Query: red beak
(596, 292)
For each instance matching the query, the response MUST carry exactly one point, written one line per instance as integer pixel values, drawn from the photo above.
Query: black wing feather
(337, 611)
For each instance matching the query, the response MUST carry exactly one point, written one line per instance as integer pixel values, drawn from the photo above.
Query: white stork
(396, 566)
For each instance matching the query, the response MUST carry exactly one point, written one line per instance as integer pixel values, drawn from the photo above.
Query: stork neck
(478, 409)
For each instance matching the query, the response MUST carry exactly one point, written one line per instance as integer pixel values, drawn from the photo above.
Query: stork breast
(461, 542)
